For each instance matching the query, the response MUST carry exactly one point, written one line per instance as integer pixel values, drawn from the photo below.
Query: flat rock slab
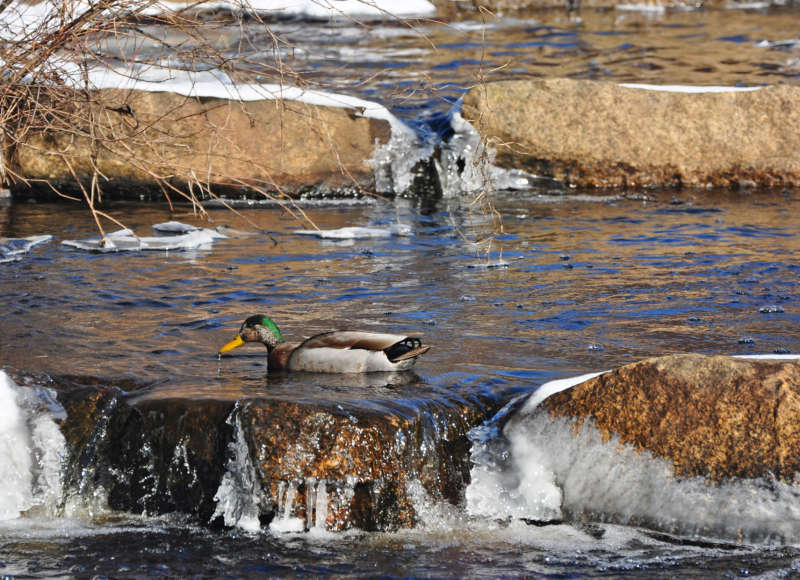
(140, 137)
(713, 416)
(601, 134)
(329, 461)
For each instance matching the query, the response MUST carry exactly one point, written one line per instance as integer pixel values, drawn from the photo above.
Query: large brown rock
(713, 416)
(600, 134)
(160, 450)
(139, 137)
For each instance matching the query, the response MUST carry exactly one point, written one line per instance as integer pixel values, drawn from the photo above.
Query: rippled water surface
(583, 284)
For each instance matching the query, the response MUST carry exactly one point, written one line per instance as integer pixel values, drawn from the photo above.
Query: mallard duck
(338, 351)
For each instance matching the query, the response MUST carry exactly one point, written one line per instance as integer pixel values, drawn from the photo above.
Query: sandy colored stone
(712, 416)
(599, 134)
(272, 144)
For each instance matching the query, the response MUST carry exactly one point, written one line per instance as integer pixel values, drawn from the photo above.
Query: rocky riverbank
(226, 458)
(579, 133)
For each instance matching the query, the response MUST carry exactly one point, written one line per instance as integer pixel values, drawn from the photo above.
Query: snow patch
(21, 18)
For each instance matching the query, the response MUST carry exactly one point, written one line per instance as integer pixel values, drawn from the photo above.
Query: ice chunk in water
(358, 232)
(126, 241)
(12, 249)
(173, 228)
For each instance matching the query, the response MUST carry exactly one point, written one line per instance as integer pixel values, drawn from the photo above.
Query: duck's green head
(258, 328)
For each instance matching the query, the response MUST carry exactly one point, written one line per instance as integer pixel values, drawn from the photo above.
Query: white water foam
(239, 494)
(358, 232)
(32, 452)
(544, 468)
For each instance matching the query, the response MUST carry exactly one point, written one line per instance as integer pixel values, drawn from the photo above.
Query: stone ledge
(601, 134)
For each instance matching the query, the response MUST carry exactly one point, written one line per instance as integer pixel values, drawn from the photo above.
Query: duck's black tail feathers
(409, 347)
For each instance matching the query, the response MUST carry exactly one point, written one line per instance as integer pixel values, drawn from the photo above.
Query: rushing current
(572, 283)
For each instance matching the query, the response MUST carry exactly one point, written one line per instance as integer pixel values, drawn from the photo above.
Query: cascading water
(32, 451)
(466, 164)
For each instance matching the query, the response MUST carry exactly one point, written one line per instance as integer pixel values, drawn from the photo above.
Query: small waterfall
(466, 164)
(32, 451)
(239, 494)
(84, 495)
(393, 163)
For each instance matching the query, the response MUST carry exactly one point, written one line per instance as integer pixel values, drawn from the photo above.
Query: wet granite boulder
(317, 462)
(138, 138)
(713, 416)
(601, 134)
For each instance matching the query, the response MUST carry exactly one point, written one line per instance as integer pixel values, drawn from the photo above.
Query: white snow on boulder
(688, 88)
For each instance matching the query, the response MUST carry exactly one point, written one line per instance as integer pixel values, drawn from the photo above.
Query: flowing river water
(576, 282)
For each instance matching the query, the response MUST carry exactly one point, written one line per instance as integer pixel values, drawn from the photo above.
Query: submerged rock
(713, 416)
(199, 142)
(297, 463)
(602, 134)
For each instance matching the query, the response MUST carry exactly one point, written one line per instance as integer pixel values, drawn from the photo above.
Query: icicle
(239, 493)
(285, 520)
(321, 506)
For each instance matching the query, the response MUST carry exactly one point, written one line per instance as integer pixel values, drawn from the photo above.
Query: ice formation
(127, 241)
(12, 249)
(32, 450)
(358, 232)
(544, 468)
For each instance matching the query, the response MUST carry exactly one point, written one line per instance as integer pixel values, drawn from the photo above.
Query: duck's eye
(249, 334)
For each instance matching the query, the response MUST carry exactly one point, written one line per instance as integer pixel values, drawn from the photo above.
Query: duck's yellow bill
(232, 344)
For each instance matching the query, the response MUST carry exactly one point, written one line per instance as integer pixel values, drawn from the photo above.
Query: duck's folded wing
(349, 339)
